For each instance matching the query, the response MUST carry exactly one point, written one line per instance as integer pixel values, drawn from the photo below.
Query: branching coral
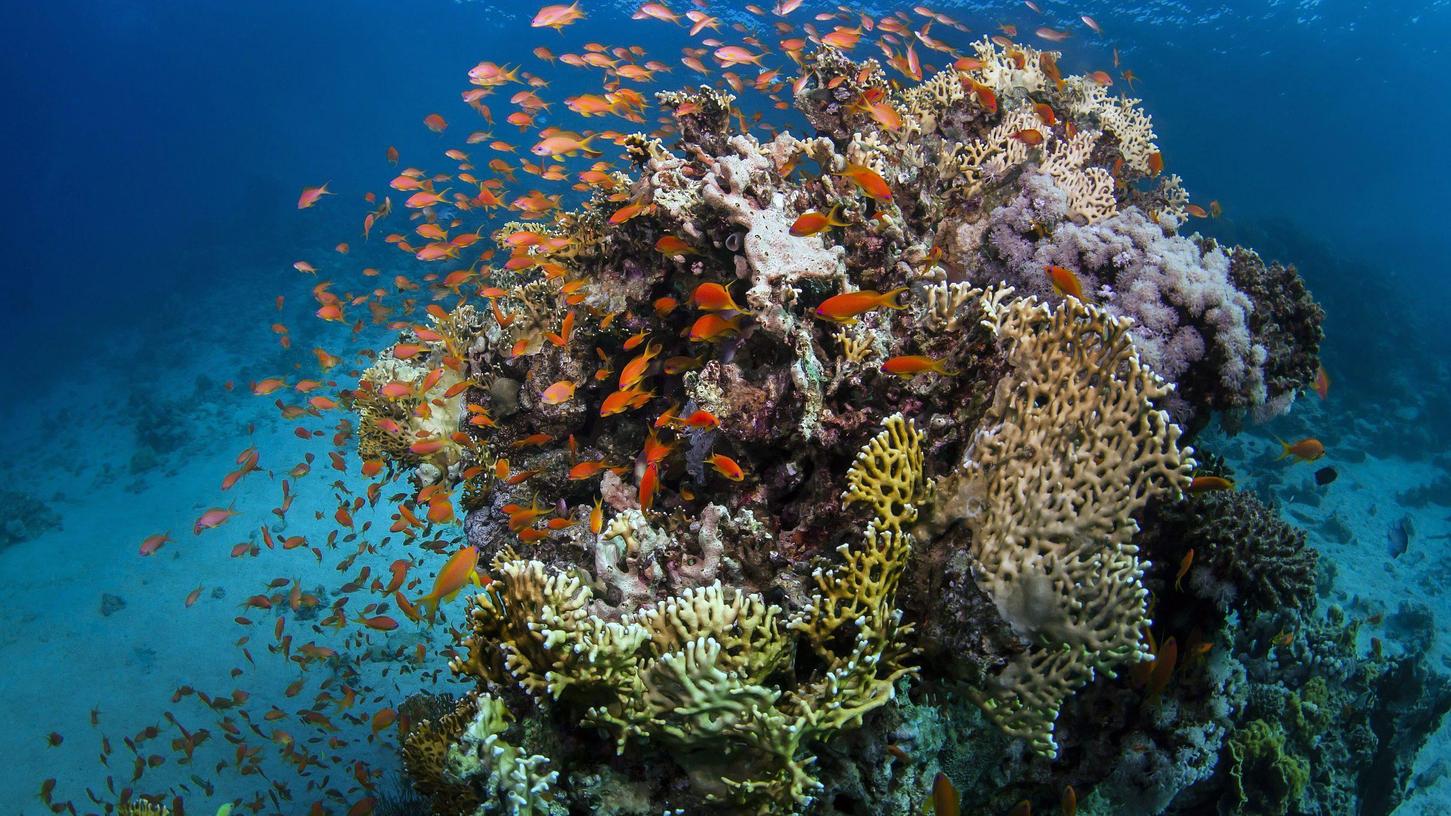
(1072, 448)
(706, 670)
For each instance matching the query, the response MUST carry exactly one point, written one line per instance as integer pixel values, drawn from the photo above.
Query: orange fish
(457, 573)
(1156, 163)
(1322, 382)
(1051, 34)
(1184, 564)
(311, 195)
(909, 366)
(382, 623)
(726, 466)
(813, 222)
(1069, 802)
(673, 245)
(713, 297)
(649, 484)
(867, 180)
(709, 327)
(1065, 282)
(557, 16)
(1164, 661)
(597, 517)
(154, 542)
(435, 123)
(1028, 136)
(624, 399)
(736, 55)
(558, 393)
(701, 419)
(1306, 450)
(212, 518)
(945, 799)
(1204, 484)
(844, 308)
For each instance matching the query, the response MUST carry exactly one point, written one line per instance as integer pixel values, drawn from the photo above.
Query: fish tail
(1284, 449)
(889, 299)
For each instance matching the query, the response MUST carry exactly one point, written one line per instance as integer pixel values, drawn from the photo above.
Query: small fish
(557, 16)
(435, 123)
(1051, 34)
(673, 245)
(1064, 281)
(1204, 484)
(1022, 808)
(1325, 476)
(1164, 661)
(457, 572)
(811, 223)
(1031, 137)
(1069, 802)
(1322, 382)
(710, 327)
(154, 542)
(1156, 163)
(214, 517)
(1283, 639)
(1306, 450)
(713, 297)
(844, 308)
(867, 180)
(1398, 538)
(1184, 564)
(558, 393)
(1091, 23)
(726, 466)
(311, 195)
(945, 799)
(910, 365)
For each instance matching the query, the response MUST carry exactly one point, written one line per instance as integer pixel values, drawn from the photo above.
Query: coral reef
(767, 506)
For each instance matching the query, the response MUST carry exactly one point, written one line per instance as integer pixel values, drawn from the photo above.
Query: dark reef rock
(1245, 555)
(24, 517)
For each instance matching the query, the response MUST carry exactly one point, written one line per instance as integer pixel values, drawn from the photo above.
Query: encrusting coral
(725, 467)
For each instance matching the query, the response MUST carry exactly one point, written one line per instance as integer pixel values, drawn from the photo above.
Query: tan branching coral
(1072, 447)
(710, 670)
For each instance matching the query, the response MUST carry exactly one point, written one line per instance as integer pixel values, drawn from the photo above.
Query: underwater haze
(460, 406)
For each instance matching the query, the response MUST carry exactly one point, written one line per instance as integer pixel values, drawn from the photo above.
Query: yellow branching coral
(1072, 447)
(711, 671)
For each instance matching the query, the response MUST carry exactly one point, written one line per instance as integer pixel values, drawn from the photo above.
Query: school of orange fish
(491, 179)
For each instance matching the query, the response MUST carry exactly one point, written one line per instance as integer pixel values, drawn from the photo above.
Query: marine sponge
(1266, 778)
(1071, 449)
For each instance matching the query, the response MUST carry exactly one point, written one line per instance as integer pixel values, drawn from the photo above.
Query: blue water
(155, 154)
